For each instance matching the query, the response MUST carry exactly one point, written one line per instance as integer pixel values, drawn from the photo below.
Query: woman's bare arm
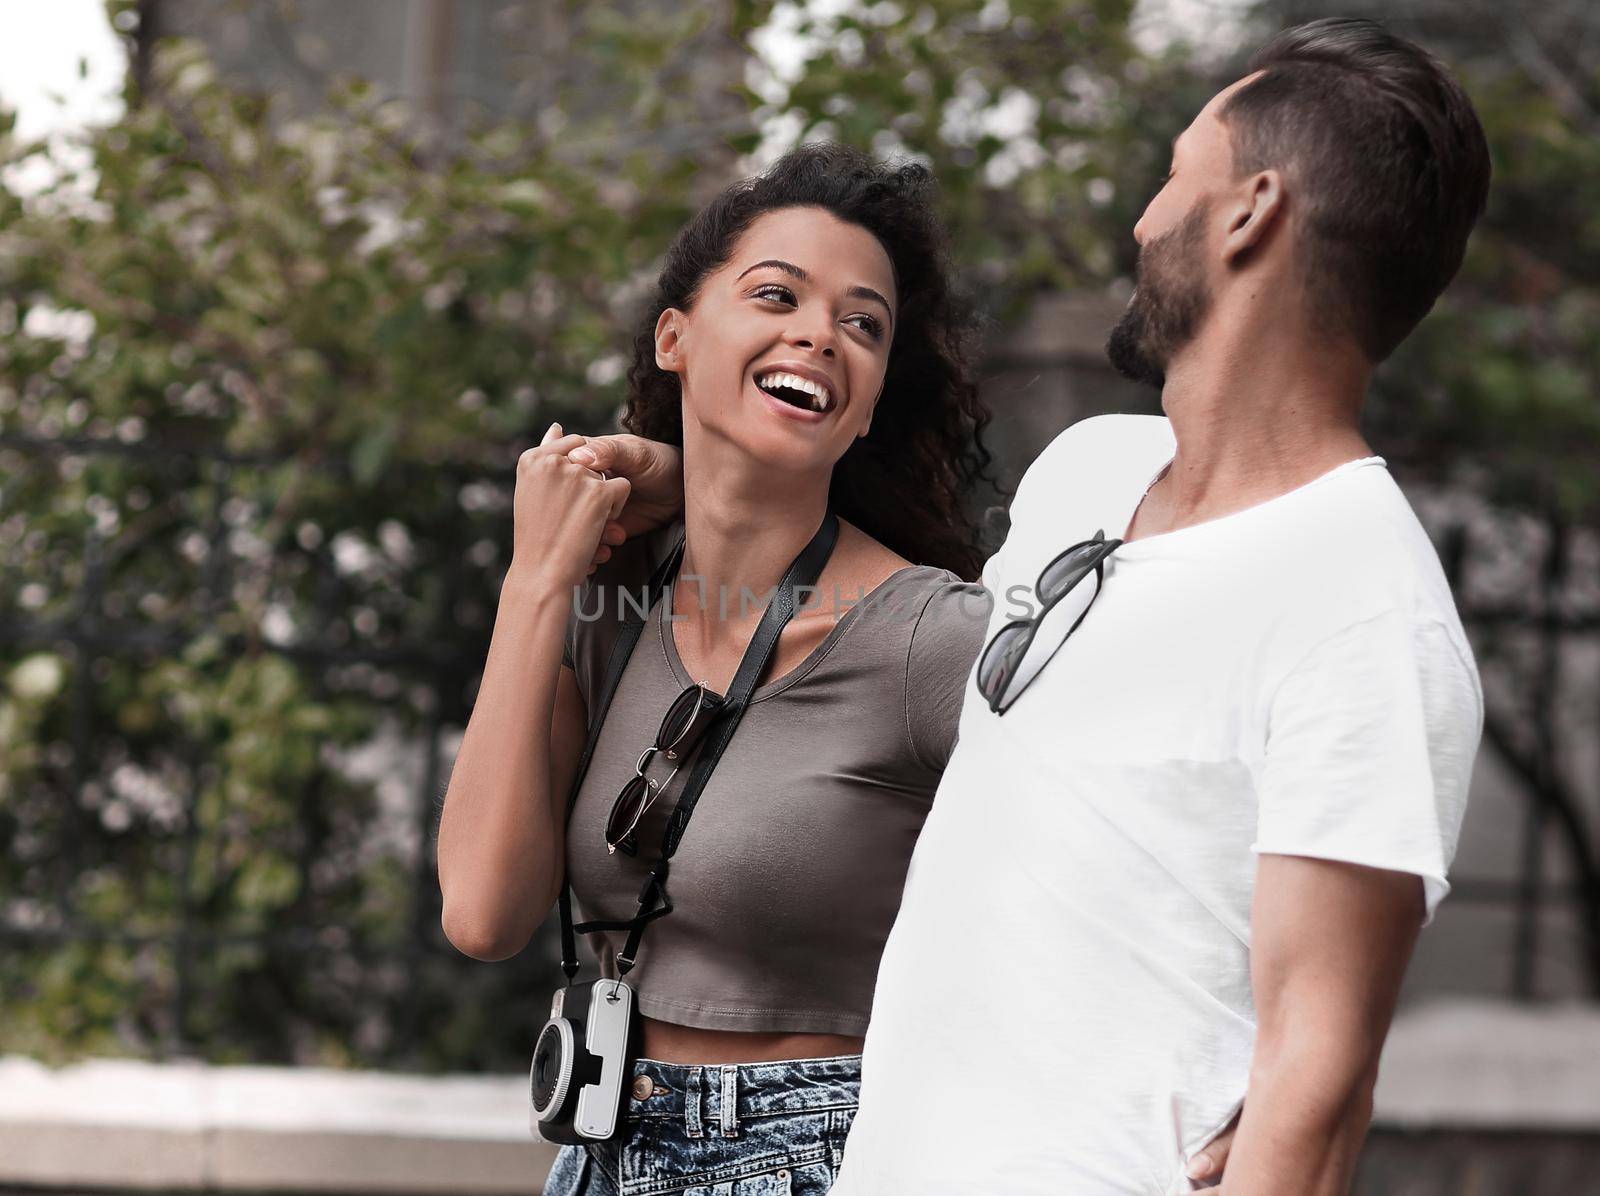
(502, 831)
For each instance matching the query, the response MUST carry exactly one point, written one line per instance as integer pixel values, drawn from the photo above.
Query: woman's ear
(669, 341)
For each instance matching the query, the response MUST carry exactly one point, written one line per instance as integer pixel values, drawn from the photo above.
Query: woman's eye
(870, 325)
(774, 292)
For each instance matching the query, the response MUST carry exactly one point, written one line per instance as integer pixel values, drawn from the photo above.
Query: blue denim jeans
(748, 1129)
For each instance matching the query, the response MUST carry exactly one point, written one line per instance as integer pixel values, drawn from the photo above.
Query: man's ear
(1253, 215)
(669, 341)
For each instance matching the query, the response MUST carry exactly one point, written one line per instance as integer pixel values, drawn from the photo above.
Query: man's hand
(655, 472)
(1329, 943)
(1207, 1163)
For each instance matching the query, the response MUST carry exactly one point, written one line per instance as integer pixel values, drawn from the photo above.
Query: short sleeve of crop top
(939, 661)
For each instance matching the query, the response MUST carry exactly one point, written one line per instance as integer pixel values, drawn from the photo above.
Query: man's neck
(1251, 425)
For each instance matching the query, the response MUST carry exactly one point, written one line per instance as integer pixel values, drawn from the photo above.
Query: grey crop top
(788, 879)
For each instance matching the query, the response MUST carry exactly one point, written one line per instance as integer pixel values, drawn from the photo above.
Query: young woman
(806, 351)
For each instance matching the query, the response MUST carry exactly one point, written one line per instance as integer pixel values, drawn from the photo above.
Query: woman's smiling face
(785, 347)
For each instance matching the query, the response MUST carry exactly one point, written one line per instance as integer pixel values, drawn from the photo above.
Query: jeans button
(643, 1087)
(783, 1173)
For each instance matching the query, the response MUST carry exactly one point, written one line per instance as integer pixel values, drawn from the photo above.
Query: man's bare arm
(1329, 946)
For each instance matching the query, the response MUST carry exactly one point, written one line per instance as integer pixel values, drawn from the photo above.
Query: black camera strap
(653, 900)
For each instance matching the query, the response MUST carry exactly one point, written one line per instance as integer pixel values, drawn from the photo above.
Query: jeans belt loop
(730, 1101)
(694, 1104)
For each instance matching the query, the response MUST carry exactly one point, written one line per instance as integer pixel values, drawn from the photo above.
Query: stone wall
(1474, 1099)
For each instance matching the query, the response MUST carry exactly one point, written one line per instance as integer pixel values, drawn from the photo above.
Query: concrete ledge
(1492, 1065)
(1452, 1067)
(115, 1123)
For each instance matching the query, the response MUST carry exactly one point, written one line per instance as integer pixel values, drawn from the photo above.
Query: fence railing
(163, 892)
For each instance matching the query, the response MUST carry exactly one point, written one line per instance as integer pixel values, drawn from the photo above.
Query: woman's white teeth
(821, 397)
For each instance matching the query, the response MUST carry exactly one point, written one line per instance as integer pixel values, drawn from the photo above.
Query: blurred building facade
(461, 63)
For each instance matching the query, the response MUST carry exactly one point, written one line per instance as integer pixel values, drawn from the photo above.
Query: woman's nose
(808, 337)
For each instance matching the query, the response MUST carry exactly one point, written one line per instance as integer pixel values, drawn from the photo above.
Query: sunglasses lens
(687, 719)
(1067, 570)
(1000, 660)
(680, 717)
(627, 810)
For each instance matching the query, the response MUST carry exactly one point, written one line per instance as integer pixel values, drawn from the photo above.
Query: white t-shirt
(1068, 975)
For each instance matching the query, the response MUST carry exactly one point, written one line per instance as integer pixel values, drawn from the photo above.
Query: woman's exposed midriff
(671, 1043)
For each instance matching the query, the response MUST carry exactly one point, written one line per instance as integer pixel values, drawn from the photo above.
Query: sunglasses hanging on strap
(653, 900)
(688, 720)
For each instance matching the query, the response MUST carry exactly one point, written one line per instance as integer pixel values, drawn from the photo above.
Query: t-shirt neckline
(1129, 547)
(669, 644)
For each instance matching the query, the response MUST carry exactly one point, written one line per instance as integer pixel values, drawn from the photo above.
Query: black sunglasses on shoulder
(1004, 654)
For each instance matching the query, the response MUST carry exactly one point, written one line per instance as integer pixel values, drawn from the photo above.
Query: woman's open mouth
(796, 391)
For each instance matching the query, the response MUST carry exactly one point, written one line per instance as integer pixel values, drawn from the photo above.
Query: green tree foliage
(262, 385)
(1498, 386)
(263, 381)
(1045, 125)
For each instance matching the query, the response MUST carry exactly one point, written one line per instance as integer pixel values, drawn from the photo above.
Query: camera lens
(552, 1066)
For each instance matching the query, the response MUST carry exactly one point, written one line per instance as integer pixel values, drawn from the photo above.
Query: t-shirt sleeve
(944, 643)
(1370, 744)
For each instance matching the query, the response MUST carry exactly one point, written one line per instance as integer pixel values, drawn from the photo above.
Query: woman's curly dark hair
(909, 482)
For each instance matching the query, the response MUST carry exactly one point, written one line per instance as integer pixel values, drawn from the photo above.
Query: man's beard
(1169, 301)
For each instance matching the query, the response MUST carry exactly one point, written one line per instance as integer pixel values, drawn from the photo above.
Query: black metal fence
(1528, 589)
(195, 860)
(163, 891)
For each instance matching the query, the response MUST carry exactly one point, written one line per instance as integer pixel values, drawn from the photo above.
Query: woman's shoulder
(948, 610)
(890, 578)
(925, 585)
(945, 622)
(940, 609)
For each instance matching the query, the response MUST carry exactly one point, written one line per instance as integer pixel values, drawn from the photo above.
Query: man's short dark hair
(1385, 156)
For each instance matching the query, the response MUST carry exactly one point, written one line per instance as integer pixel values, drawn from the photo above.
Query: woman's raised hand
(655, 471)
(561, 511)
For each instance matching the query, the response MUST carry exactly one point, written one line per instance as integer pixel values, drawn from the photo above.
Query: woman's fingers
(630, 456)
(610, 536)
(559, 506)
(557, 442)
(619, 489)
(553, 443)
